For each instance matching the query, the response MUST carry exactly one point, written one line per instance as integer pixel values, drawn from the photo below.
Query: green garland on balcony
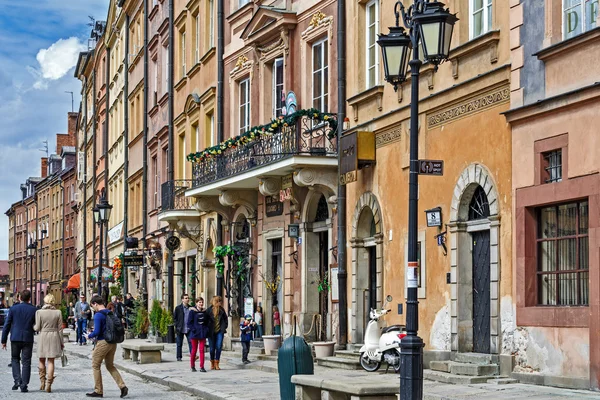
(266, 130)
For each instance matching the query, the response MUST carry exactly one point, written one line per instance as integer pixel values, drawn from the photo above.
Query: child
(258, 319)
(246, 327)
(276, 321)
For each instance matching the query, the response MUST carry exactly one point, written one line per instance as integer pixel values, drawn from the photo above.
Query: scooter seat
(392, 328)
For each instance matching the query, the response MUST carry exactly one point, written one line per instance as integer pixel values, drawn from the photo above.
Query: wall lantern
(293, 231)
(434, 217)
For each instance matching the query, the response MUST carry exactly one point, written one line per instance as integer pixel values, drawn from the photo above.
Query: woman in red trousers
(198, 326)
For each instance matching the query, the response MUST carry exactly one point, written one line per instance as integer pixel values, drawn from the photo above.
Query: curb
(174, 383)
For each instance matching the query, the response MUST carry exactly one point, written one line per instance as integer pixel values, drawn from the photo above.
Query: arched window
(479, 208)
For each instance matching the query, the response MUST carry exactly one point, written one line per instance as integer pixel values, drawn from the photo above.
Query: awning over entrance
(74, 282)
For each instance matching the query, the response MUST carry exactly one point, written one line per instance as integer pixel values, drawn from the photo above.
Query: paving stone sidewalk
(259, 380)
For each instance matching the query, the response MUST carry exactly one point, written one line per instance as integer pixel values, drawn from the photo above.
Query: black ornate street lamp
(38, 296)
(101, 216)
(31, 249)
(430, 28)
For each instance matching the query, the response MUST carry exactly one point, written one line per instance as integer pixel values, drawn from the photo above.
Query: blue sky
(39, 44)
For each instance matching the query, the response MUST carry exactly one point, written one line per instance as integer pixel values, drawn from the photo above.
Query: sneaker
(15, 386)
(24, 389)
(202, 369)
(179, 359)
(246, 361)
(94, 394)
(124, 391)
(194, 369)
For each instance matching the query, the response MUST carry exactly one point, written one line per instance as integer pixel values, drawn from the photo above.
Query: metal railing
(173, 195)
(309, 137)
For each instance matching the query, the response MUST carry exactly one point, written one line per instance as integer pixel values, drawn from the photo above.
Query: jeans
(21, 351)
(179, 342)
(81, 329)
(245, 350)
(197, 345)
(258, 332)
(105, 352)
(216, 343)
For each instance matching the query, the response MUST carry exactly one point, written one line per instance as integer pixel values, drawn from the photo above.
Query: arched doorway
(367, 262)
(475, 265)
(316, 255)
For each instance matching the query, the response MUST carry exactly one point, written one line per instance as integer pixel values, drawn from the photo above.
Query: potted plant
(155, 316)
(165, 320)
(142, 323)
(65, 315)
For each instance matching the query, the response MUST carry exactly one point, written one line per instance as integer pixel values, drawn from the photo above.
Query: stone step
(457, 368)
(255, 343)
(502, 381)
(473, 358)
(338, 362)
(354, 346)
(349, 354)
(237, 346)
(446, 377)
(441, 366)
(264, 357)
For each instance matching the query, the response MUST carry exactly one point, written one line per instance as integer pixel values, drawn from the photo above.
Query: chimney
(44, 167)
(72, 124)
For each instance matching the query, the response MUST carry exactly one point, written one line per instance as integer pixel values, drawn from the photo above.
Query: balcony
(175, 206)
(239, 162)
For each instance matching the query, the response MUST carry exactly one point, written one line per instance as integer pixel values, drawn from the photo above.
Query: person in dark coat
(19, 324)
(129, 307)
(198, 331)
(218, 327)
(180, 318)
(246, 328)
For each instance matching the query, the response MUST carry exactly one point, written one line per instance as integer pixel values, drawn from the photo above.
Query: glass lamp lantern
(435, 25)
(395, 51)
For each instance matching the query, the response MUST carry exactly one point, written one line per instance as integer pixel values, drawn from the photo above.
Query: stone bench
(66, 333)
(142, 353)
(311, 387)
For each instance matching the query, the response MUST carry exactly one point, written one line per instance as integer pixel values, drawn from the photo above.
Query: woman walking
(48, 322)
(218, 327)
(198, 331)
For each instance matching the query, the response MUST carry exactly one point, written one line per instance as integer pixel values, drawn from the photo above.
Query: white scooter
(381, 343)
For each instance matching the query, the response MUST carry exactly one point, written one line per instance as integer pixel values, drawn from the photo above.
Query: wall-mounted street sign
(273, 207)
(133, 260)
(357, 150)
(431, 167)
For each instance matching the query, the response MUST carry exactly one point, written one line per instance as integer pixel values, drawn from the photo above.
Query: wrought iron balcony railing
(173, 195)
(308, 136)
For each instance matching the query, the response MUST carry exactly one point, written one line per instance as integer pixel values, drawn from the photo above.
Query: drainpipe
(145, 157)
(171, 153)
(85, 132)
(125, 271)
(220, 116)
(341, 212)
(104, 232)
(95, 160)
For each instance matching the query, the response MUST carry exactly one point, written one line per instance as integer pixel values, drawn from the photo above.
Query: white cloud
(56, 61)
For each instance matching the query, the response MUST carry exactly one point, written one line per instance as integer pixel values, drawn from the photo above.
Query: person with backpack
(108, 331)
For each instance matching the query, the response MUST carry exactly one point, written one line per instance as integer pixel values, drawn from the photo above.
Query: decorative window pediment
(243, 67)
(318, 25)
(266, 24)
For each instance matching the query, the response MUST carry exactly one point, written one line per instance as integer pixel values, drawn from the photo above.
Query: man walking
(16, 301)
(103, 351)
(182, 313)
(82, 313)
(21, 319)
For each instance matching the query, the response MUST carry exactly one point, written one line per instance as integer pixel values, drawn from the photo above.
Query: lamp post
(31, 248)
(430, 28)
(101, 216)
(43, 233)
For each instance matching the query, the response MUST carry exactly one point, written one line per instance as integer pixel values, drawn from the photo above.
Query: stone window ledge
(367, 96)
(554, 50)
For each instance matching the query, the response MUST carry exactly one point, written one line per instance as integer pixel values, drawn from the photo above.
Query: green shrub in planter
(165, 321)
(155, 316)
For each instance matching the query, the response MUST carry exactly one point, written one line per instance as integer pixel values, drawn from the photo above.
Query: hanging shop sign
(286, 192)
(133, 260)
(273, 207)
(357, 150)
(431, 167)
(115, 233)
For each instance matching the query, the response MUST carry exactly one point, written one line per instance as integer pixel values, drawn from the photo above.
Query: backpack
(113, 331)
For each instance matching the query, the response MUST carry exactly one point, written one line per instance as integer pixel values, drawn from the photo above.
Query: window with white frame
(278, 93)
(320, 75)
(211, 23)
(165, 72)
(244, 105)
(182, 55)
(579, 16)
(197, 39)
(481, 17)
(156, 180)
(372, 58)
(197, 137)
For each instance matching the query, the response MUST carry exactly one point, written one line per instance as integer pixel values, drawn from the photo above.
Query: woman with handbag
(198, 331)
(48, 322)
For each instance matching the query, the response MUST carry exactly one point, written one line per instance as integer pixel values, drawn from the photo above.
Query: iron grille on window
(563, 255)
(553, 166)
